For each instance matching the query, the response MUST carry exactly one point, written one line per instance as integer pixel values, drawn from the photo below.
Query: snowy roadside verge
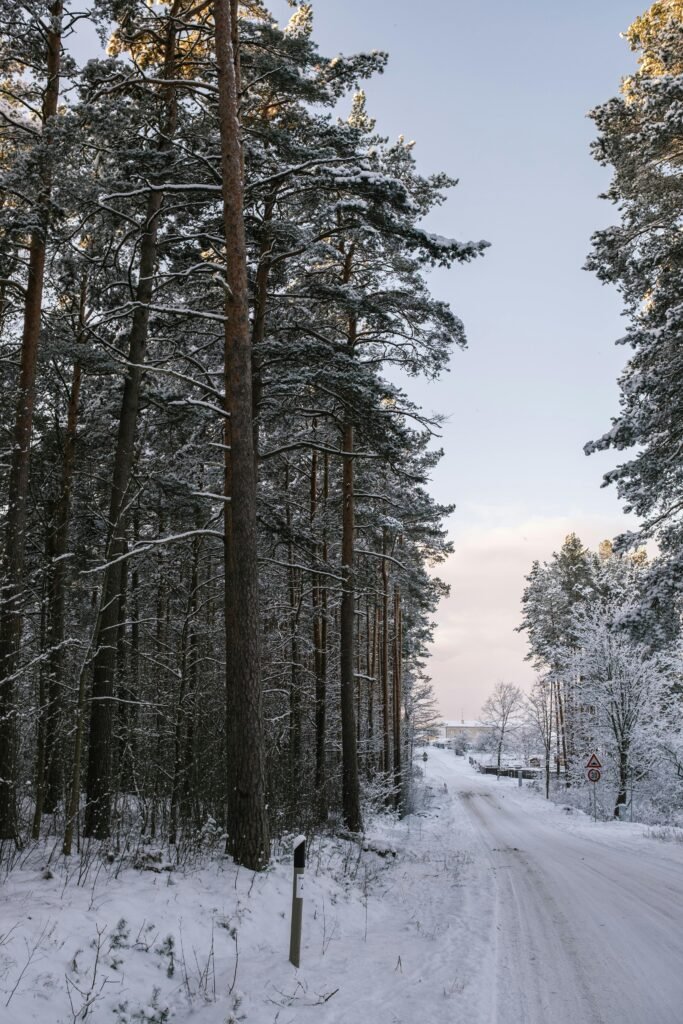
(389, 930)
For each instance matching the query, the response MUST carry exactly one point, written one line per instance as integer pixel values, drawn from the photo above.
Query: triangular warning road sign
(593, 762)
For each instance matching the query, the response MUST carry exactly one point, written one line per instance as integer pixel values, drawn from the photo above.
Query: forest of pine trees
(216, 532)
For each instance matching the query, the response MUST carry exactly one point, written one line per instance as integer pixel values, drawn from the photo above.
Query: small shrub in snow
(211, 834)
(153, 1013)
(225, 922)
(167, 948)
(377, 794)
(151, 860)
(234, 1017)
(119, 937)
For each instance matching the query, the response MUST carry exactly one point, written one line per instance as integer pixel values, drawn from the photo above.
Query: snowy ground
(497, 909)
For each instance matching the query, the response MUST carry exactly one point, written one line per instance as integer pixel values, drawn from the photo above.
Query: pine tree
(246, 823)
(33, 41)
(639, 135)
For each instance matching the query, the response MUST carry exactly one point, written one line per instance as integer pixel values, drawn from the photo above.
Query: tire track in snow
(534, 936)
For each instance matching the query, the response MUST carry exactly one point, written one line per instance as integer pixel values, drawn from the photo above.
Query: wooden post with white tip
(297, 899)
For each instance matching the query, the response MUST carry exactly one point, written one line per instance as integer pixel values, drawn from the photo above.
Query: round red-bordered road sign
(593, 774)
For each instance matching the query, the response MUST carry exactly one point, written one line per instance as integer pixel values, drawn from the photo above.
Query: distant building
(472, 732)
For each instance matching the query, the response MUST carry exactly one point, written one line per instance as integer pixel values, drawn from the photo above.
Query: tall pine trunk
(247, 824)
(397, 695)
(258, 329)
(54, 755)
(350, 789)
(319, 600)
(187, 658)
(50, 761)
(384, 661)
(15, 531)
(295, 696)
(372, 672)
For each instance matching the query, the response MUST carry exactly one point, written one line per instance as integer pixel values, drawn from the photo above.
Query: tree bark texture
(182, 717)
(384, 661)
(247, 825)
(350, 790)
(295, 695)
(56, 625)
(622, 794)
(319, 599)
(397, 696)
(15, 531)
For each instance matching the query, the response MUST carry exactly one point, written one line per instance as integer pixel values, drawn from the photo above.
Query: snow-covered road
(587, 919)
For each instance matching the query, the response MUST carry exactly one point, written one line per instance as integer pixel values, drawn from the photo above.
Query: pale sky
(496, 93)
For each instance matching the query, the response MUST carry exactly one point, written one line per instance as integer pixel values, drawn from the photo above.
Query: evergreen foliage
(639, 136)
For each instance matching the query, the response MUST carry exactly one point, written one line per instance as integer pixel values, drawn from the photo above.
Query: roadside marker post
(297, 899)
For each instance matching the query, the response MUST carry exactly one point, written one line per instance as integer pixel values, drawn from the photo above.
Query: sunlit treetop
(359, 117)
(646, 35)
(301, 21)
(137, 32)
